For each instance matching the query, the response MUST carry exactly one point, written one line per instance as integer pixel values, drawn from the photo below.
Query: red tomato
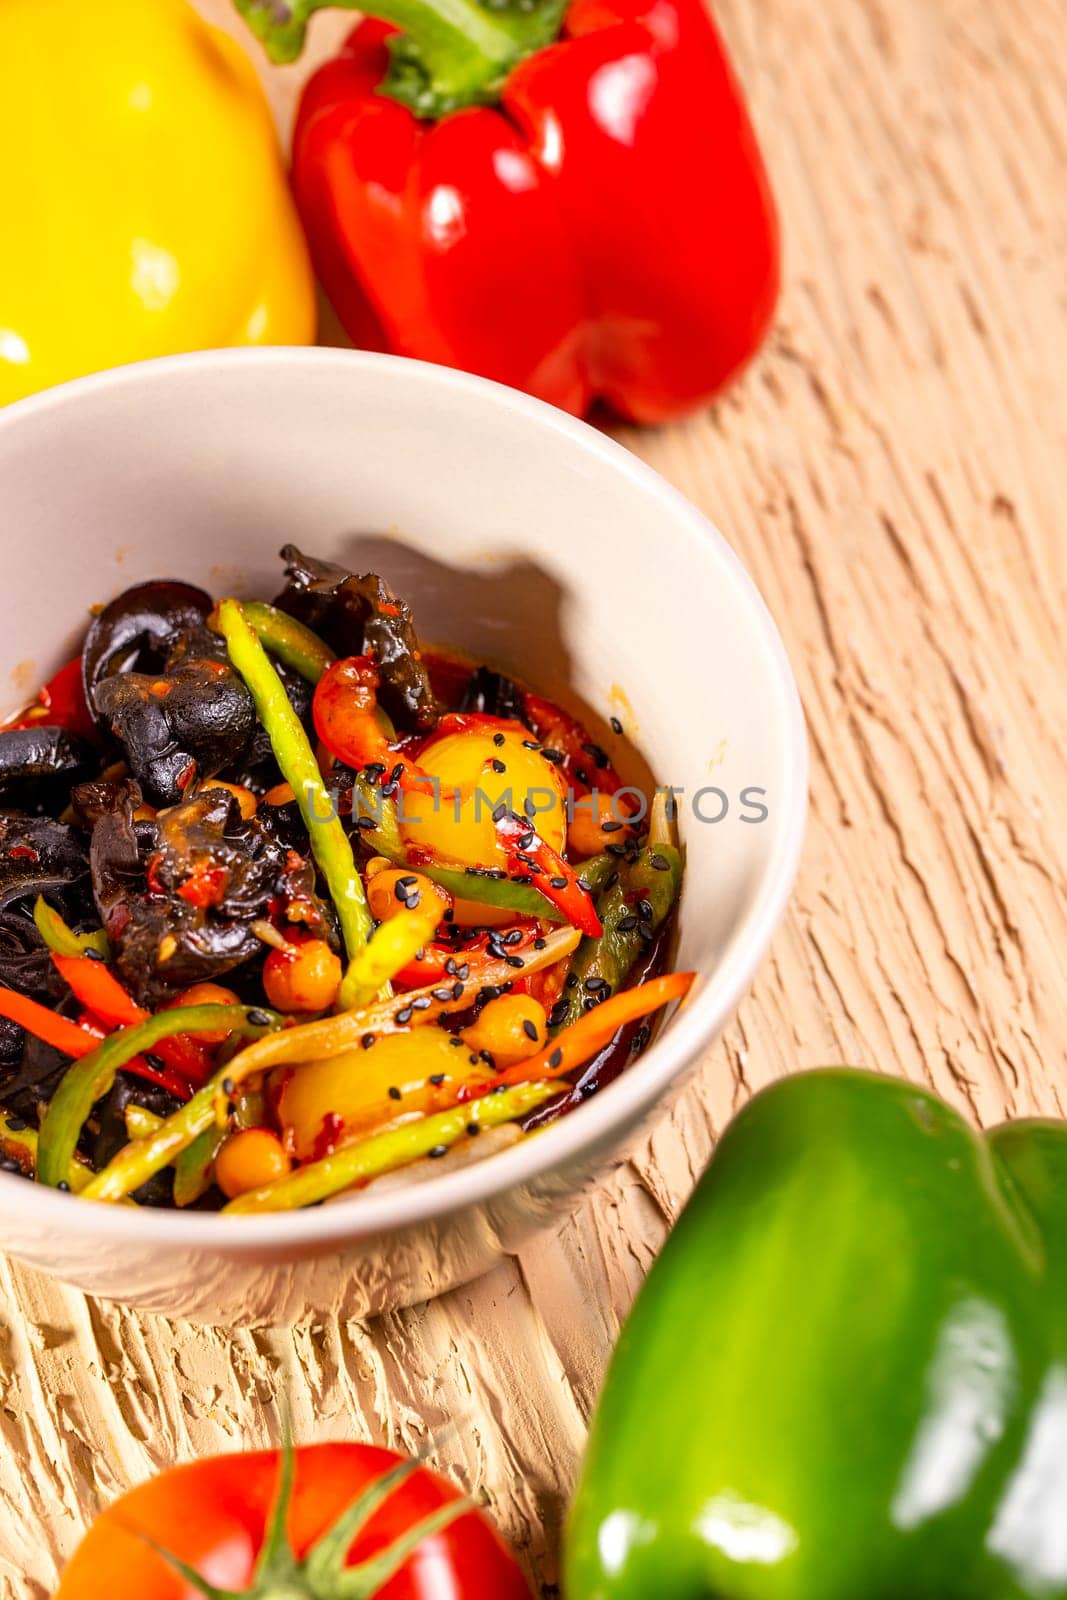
(214, 1514)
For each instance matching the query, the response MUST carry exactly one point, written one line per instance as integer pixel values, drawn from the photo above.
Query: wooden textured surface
(893, 471)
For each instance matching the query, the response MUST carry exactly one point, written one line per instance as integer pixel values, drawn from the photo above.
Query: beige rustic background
(893, 471)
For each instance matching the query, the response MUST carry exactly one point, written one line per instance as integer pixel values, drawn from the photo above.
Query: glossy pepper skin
(604, 231)
(145, 206)
(846, 1376)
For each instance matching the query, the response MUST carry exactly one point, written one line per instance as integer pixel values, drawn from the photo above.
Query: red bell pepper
(61, 703)
(569, 199)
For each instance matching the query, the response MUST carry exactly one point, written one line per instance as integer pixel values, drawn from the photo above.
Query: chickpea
(246, 800)
(248, 1160)
(511, 1027)
(596, 821)
(304, 977)
(394, 889)
(208, 994)
(281, 795)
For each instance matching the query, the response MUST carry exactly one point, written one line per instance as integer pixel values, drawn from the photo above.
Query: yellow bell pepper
(145, 204)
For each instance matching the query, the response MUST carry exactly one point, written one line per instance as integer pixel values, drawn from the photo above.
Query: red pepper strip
(45, 1024)
(61, 704)
(98, 988)
(432, 965)
(644, 279)
(574, 1046)
(528, 855)
(77, 1041)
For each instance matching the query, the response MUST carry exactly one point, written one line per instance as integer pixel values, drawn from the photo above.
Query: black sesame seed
(497, 765)
(487, 1057)
(514, 937)
(515, 961)
(367, 1040)
(530, 744)
(388, 790)
(155, 1061)
(530, 1029)
(498, 739)
(660, 863)
(594, 985)
(610, 826)
(423, 1003)
(404, 1015)
(63, 1186)
(646, 931)
(394, 1092)
(584, 884)
(373, 769)
(397, 773)
(438, 1150)
(437, 1079)
(571, 980)
(539, 944)
(16, 1124)
(628, 923)
(557, 883)
(442, 995)
(260, 1019)
(473, 1128)
(557, 1014)
(500, 812)
(228, 1086)
(616, 725)
(645, 909)
(463, 971)
(93, 955)
(598, 756)
(555, 1058)
(368, 824)
(555, 757)
(615, 849)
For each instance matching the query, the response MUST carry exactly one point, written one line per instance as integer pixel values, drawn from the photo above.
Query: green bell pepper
(846, 1376)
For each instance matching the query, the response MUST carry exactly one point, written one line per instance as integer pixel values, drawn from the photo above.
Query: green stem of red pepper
(447, 54)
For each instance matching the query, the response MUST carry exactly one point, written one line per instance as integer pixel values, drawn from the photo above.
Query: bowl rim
(692, 1027)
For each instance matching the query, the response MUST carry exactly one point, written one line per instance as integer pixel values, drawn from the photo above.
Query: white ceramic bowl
(519, 534)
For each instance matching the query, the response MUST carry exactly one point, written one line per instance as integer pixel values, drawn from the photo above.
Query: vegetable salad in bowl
(290, 902)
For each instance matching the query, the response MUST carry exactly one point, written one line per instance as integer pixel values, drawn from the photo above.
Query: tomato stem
(323, 1573)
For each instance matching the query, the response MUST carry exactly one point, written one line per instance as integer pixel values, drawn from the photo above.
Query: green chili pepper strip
(611, 957)
(295, 757)
(386, 839)
(288, 639)
(384, 1152)
(192, 1169)
(88, 1080)
(25, 1140)
(63, 940)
